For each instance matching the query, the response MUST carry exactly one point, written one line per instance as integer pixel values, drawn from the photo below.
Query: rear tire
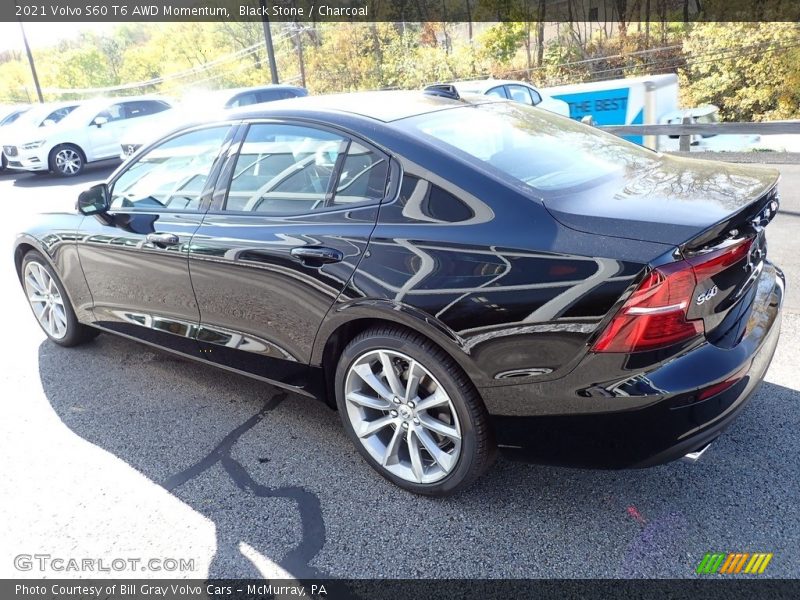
(412, 413)
(50, 304)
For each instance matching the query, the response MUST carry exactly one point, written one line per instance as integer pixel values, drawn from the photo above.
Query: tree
(750, 70)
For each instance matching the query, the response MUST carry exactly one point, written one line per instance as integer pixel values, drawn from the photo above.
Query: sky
(44, 34)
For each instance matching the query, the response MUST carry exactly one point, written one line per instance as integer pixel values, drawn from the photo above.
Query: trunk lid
(714, 213)
(667, 199)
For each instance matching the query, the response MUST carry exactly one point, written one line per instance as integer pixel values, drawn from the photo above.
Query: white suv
(37, 116)
(89, 133)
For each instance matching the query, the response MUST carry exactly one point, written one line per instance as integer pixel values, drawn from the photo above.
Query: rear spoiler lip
(747, 221)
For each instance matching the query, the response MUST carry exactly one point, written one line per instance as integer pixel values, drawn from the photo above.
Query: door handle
(162, 240)
(315, 255)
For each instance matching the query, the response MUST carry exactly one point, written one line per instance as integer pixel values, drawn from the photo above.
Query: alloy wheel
(403, 416)
(45, 300)
(68, 161)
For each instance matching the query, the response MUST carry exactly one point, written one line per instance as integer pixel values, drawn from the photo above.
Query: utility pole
(33, 66)
(273, 67)
(299, 42)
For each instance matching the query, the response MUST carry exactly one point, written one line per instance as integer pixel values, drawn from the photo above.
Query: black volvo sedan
(455, 276)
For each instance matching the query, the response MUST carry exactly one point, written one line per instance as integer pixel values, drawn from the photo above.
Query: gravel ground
(114, 451)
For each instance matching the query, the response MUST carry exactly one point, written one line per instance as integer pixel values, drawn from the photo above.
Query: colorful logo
(734, 562)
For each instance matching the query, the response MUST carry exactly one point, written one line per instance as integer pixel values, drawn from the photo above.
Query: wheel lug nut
(410, 404)
(416, 421)
(393, 413)
(396, 400)
(405, 425)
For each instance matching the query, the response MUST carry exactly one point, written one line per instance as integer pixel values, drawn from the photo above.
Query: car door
(135, 257)
(105, 130)
(286, 231)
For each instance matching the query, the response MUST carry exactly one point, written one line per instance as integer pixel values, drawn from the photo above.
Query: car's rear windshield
(547, 152)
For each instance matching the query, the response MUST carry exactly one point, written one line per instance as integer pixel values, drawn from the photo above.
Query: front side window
(271, 95)
(115, 112)
(172, 175)
(243, 100)
(293, 169)
(498, 92)
(55, 116)
(145, 107)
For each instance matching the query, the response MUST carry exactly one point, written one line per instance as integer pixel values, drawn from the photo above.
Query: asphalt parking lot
(113, 451)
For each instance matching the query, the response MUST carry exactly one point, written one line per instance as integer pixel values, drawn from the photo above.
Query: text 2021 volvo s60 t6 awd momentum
(456, 276)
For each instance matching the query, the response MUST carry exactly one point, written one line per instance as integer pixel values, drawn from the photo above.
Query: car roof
(385, 106)
(481, 86)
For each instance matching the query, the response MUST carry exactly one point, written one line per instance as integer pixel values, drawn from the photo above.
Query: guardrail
(686, 129)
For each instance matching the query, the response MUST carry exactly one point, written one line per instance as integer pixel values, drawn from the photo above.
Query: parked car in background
(518, 91)
(10, 113)
(456, 275)
(31, 118)
(89, 133)
(198, 105)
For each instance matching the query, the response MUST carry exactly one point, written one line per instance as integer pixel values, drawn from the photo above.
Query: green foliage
(750, 70)
(500, 42)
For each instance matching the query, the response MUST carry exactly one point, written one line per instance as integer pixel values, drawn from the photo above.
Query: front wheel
(412, 413)
(50, 303)
(67, 160)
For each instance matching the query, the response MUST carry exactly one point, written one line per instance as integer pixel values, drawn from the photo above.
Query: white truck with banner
(632, 101)
(645, 100)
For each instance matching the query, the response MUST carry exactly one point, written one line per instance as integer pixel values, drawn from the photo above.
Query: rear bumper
(660, 415)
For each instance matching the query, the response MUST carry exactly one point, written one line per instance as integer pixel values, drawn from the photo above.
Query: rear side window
(293, 169)
(363, 177)
(519, 93)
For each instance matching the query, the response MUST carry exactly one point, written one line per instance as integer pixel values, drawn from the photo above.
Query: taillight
(655, 314)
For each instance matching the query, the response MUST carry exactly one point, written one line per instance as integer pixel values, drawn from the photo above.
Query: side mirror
(94, 200)
(100, 121)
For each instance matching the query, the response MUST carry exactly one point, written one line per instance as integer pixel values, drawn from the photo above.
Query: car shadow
(92, 173)
(276, 472)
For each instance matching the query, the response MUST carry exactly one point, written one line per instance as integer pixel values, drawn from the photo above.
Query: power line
(673, 62)
(676, 61)
(600, 58)
(238, 55)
